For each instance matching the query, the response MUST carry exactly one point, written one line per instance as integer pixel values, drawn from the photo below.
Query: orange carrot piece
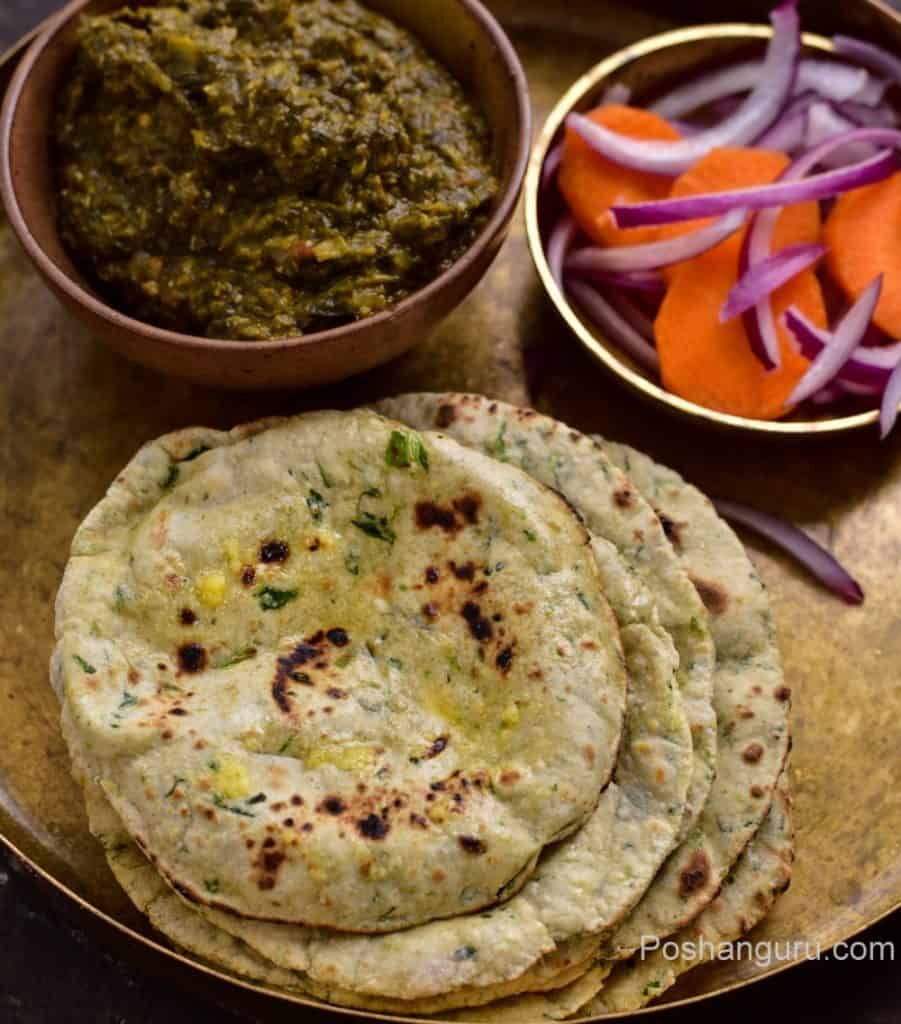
(723, 169)
(591, 184)
(863, 233)
(712, 363)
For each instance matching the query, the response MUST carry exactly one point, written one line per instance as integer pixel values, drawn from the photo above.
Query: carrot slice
(712, 363)
(730, 168)
(863, 232)
(591, 184)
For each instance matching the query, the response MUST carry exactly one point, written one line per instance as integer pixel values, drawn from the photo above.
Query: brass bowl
(459, 33)
(644, 67)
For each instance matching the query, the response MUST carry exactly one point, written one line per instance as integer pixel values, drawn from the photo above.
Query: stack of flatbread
(441, 708)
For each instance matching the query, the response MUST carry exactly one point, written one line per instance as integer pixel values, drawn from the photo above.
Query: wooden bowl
(647, 68)
(459, 33)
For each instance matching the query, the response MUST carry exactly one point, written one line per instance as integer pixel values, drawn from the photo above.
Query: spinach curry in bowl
(256, 169)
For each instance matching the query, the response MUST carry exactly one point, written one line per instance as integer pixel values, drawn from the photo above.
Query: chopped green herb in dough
(271, 598)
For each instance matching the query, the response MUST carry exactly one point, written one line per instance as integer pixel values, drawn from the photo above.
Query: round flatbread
(750, 698)
(654, 591)
(330, 671)
(555, 1004)
(762, 872)
(584, 883)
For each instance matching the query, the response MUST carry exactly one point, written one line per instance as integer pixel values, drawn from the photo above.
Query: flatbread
(655, 591)
(558, 1004)
(762, 872)
(558, 970)
(477, 958)
(581, 888)
(612, 865)
(750, 698)
(332, 672)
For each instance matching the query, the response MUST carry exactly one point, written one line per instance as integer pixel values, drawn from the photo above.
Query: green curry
(260, 168)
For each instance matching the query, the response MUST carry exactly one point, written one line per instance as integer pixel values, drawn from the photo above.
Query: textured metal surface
(72, 413)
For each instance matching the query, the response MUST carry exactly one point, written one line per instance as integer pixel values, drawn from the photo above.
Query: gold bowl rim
(612, 359)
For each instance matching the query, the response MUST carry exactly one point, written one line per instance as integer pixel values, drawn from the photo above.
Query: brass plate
(72, 413)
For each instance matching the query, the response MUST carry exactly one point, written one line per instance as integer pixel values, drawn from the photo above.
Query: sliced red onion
(685, 128)
(865, 116)
(617, 94)
(782, 193)
(868, 366)
(841, 389)
(839, 82)
(828, 79)
(803, 548)
(828, 395)
(551, 165)
(887, 137)
(790, 130)
(648, 281)
(891, 398)
(651, 255)
(763, 338)
(759, 324)
(846, 337)
(787, 134)
(561, 238)
(754, 116)
(761, 280)
(858, 390)
(825, 121)
(623, 334)
(869, 55)
(633, 316)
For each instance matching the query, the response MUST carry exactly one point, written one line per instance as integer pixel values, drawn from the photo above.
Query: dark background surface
(50, 971)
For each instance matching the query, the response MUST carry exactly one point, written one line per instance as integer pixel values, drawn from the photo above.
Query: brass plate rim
(286, 998)
(603, 351)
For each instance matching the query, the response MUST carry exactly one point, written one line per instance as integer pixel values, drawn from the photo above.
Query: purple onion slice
(867, 117)
(559, 241)
(551, 165)
(762, 279)
(633, 316)
(753, 116)
(824, 122)
(653, 255)
(604, 316)
(828, 395)
(782, 193)
(869, 366)
(617, 94)
(869, 55)
(846, 337)
(647, 281)
(803, 548)
(891, 399)
(789, 131)
(759, 324)
(832, 81)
